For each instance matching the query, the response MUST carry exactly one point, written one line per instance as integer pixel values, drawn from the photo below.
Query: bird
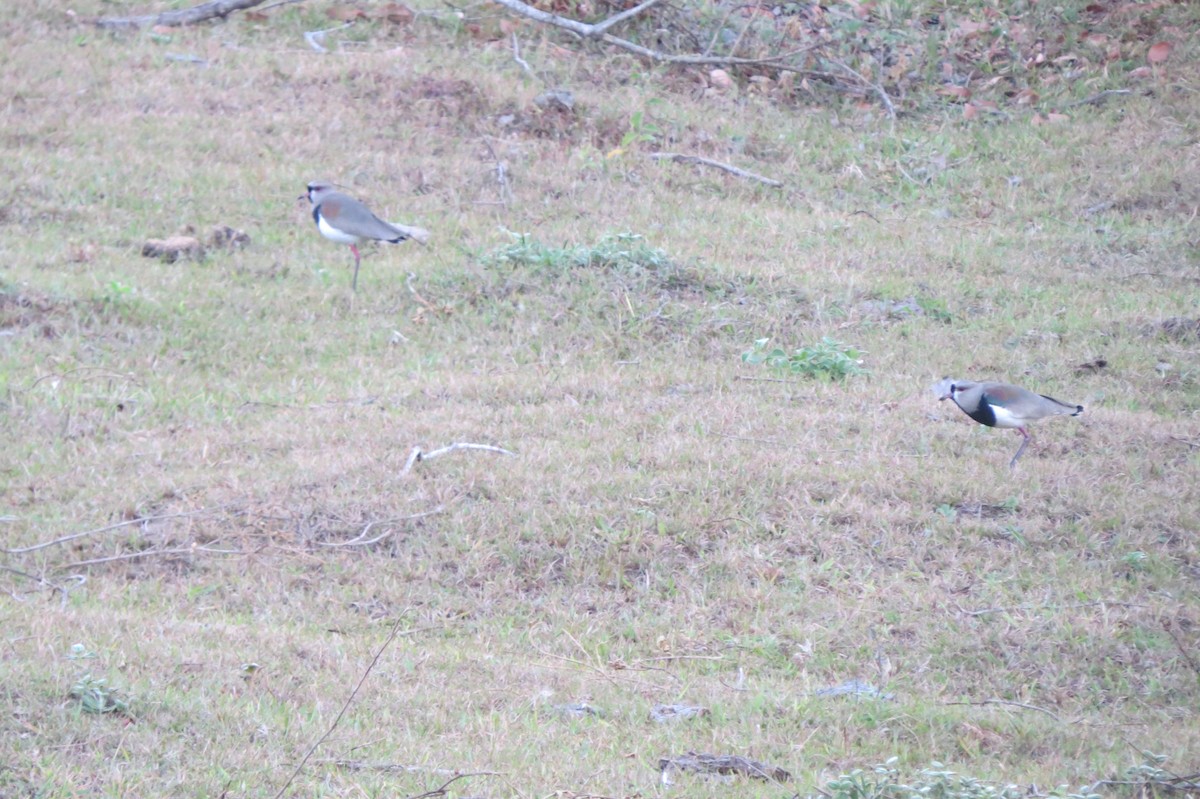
(343, 219)
(1003, 405)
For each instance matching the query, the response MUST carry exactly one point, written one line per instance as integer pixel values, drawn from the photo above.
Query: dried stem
(680, 158)
(1012, 704)
(109, 528)
(184, 16)
(361, 541)
(417, 455)
(597, 32)
(392, 637)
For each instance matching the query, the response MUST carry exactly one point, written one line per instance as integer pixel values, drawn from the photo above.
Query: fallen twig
(314, 38)
(521, 62)
(109, 528)
(1099, 97)
(1013, 704)
(278, 3)
(1193, 444)
(417, 455)
(1187, 656)
(877, 88)
(184, 16)
(42, 581)
(605, 673)
(753, 440)
(408, 281)
(506, 193)
(392, 637)
(362, 765)
(360, 541)
(681, 158)
(1162, 275)
(601, 27)
(765, 379)
(1099, 602)
(1191, 782)
(598, 32)
(148, 553)
(441, 789)
(703, 763)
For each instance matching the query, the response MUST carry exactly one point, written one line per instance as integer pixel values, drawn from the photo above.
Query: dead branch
(41, 581)
(681, 158)
(1160, 274)
(506, 193)
(408, 281)
(516, 49)
(704, 763)
(877, 88)
(1013, 704)
(361, 541)
(1049, 607)
(1188, 783)
(184, 16)
(616, 19)
(1099, 97)
(392, 637)
(417, 455)
(314, 38)
(441, 789)
(598, 32)
(148, 553)
(363, 765)
(1183, 650)
(118, 525)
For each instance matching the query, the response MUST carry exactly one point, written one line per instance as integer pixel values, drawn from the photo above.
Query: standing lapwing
(1002, 405)
(343, 219)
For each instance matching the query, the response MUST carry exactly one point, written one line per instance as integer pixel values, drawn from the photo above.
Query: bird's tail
(417, 234)
(1064, 407)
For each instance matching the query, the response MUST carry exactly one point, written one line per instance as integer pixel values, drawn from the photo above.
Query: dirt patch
(24, 310)
(1177, 328)
(443, 102)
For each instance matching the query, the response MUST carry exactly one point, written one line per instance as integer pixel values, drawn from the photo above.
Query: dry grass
(673, 528)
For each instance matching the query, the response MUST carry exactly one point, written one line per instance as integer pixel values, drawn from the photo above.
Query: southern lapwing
(343, 219)
(1003, 405)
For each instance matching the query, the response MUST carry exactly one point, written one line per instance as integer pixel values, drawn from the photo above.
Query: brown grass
(673, 528)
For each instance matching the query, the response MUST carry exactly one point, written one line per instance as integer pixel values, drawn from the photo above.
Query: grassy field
(231, 436)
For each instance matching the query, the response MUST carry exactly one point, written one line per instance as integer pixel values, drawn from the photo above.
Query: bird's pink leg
(354, 283)
(1012, 464)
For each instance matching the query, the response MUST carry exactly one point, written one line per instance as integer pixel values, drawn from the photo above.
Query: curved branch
(681, 158)
(184, 16)
(601, 27)
(597, 31)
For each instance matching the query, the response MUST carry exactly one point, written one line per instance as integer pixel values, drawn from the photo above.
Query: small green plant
(116, 293)
(947, 512)
(885, 782)
(935, 309)
(1136, 561)
(615, 252)
(95, 696)
(828, 359)
(640, 131)
(526, 251)
(621, 252)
